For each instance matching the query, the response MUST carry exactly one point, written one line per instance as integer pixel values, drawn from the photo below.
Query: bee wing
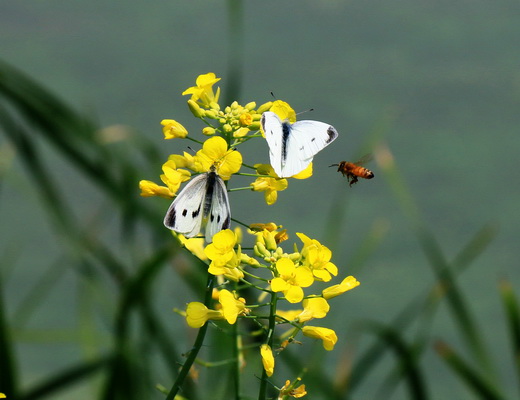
(366, 158)
(185, 214)
(219, 213)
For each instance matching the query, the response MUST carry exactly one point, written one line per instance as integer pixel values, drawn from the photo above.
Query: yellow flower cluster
(291, 274)
(284, 276)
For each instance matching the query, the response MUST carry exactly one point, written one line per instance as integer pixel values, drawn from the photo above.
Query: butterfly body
(293, 146)
(202, 203)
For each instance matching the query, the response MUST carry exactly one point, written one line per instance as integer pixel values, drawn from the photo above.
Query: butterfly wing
(219, 216)
(186, 212)
(306, 138)
(273, 130)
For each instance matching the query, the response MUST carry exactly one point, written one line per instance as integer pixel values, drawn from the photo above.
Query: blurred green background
(435, 84)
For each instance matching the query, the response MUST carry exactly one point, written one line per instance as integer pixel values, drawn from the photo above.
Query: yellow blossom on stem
(203, 92)
(185, 161)
(224, 260)
(172, 176)
(269, 184)
(290, 389)
(289, 315)
(283, 110)
(317, 258)
(291, 279)
(149, 189)
(270, 226)
(245, 119)
(172, 129)
(215, 152)
(194, 245)
(197, 314)
(231, 307)
(314, 307)
(328, 336)
(221, 250)
(267, 359)
(335, 290)
(306, 173)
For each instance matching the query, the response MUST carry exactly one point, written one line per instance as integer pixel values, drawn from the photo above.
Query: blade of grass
(510, 304)
(8, 377)
(122, 382)
(481, 386)
(461, 314)
(71, 375)
(408, 360)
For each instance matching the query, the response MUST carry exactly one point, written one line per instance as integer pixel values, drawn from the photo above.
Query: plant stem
(196, 346)
(270, 336)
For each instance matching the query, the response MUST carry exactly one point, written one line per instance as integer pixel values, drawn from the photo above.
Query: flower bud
(264, 107)
(208, 131)
(250, 106)
(195, 109)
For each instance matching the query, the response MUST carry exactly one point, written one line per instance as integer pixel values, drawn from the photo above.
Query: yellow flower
(267, 359)
(173, 177)
(197, 314)
(289, 315)
(194, 245)
(283, 110)
(231, 307)
(185, 161)
(270, 226)
(225, 261)
(289, 390)
(335, 290)
(314, 307)
(269, 184)
(245, 119)
(172, 129)
(306, 173)
(203, 92)
(215, 152)
(221, 250)
(328, 336)
(2, 396)
(149, 188)
(317, 258)
(291, 279)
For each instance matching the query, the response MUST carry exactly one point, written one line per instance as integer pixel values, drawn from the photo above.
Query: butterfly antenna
(334, 165)
(304, 111)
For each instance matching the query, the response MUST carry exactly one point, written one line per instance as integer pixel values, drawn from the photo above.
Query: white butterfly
(292, 146)
(202, 202)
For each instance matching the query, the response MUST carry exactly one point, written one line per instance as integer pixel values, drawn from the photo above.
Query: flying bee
(353, 171)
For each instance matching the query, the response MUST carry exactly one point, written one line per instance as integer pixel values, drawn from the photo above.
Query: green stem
(196, 346)
(270, 336)
(236, 361)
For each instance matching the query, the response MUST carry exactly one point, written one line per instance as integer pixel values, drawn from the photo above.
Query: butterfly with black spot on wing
(293, 146)
(202, 203)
